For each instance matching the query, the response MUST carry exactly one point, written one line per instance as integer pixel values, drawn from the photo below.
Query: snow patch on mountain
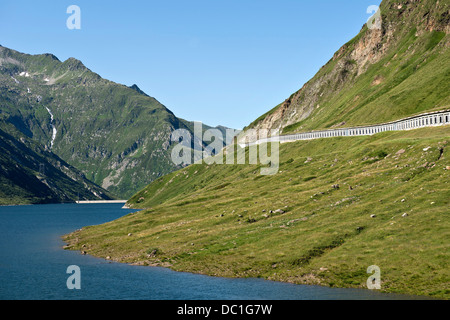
(53, 128)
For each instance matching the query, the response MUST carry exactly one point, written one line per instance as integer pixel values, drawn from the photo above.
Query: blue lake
(33, 266)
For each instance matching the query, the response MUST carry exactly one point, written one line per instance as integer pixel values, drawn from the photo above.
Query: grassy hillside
(312, 223)
(337, 205)
(380, 75)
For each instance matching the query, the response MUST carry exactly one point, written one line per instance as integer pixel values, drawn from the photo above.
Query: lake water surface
(33, 266)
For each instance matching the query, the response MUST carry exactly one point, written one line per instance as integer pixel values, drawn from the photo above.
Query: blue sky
(215, 61)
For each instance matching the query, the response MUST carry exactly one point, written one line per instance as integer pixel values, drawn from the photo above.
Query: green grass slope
(309, 224)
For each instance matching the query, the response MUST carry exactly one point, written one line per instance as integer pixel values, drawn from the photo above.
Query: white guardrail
(431, 119)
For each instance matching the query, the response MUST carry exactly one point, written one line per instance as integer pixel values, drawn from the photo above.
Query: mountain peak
(137, 89)
(52, 56)
(74, 64)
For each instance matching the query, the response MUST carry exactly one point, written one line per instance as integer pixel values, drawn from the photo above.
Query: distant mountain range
(118, 137)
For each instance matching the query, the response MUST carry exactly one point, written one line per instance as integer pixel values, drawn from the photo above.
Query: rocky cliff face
(411, 38)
